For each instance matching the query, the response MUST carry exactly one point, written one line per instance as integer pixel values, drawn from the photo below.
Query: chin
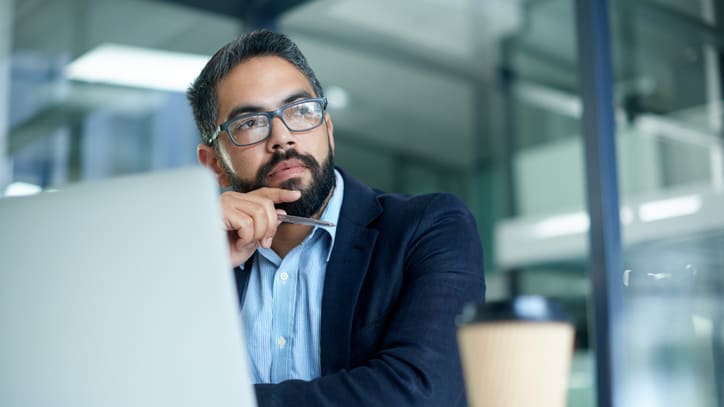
(294, 183)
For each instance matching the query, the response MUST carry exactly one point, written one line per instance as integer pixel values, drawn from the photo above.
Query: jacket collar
(346, 270)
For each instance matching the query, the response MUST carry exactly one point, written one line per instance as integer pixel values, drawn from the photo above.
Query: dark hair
(202, 93)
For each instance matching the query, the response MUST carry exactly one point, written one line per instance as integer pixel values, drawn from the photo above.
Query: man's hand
(251, 219)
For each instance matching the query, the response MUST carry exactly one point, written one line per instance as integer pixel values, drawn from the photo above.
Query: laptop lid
(119, 293)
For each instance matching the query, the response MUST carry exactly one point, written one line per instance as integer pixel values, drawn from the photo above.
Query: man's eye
(303, 110)
(246, 124)
(295, 111)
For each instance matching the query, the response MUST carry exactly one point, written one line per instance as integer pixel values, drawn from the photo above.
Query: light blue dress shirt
(282, 307)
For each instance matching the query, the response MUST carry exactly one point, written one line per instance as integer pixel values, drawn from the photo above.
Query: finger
(278, 195)
(259, 230)
(255, 214)
(266, 197)
(255, 234)
(266, 242)
(258, 207)
(261, 220)
(241, 225)
(279, 212)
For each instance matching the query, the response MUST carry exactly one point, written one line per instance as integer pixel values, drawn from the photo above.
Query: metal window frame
(599, 132)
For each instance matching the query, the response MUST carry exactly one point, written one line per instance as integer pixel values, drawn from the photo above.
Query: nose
(280, 138)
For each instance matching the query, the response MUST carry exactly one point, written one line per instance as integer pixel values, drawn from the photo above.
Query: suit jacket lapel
(346, 269)
(242, 279)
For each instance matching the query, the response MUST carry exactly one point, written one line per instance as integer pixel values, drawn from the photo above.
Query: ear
(208, 158)
(330, 130)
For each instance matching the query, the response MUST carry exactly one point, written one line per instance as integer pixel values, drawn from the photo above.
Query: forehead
(260, 81)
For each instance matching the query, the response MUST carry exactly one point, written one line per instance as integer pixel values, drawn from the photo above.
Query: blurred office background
(480, 98)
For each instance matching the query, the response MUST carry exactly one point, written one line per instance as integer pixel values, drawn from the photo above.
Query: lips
(286, 169)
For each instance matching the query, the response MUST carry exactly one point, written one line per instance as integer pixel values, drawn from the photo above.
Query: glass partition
(669, 97)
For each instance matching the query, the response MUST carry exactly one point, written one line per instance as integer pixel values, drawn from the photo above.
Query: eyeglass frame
(270, 115)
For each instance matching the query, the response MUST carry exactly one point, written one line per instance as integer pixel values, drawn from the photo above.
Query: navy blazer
(400, 271)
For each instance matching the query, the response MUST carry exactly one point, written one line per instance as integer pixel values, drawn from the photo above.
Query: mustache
(279, 156)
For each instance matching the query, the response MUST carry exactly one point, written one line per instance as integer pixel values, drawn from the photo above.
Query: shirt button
(281, 341)
(284, 276)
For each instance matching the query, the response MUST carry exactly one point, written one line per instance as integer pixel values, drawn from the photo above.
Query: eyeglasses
(253, 128)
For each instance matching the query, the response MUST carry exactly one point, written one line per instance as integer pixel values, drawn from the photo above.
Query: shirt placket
(284, 302)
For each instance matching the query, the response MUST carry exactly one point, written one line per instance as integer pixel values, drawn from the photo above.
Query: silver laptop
(119, 293)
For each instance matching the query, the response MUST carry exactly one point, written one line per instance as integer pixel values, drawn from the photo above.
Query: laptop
(119, 293)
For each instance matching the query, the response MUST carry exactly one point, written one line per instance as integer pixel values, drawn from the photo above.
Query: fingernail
(267, 242)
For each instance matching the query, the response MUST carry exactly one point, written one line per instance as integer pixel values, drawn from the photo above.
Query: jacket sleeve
(417, 361)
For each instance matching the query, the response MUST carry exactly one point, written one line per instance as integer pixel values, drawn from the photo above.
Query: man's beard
(313, 196)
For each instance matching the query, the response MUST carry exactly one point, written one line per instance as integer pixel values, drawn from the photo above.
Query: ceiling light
(337, 97)
(137, 67)
(21, 189)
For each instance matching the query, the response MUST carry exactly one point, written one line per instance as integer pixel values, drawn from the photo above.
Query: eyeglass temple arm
(214, 136)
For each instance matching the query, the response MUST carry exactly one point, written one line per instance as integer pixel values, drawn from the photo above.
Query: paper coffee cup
(516, 353)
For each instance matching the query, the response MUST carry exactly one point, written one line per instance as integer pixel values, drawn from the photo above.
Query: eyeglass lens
(297, 117)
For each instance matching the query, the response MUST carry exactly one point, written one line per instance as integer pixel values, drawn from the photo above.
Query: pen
(303, 221)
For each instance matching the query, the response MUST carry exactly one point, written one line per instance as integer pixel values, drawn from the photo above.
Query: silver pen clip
(303, 221)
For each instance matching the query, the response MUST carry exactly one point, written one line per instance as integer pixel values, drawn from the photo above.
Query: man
(361, 313)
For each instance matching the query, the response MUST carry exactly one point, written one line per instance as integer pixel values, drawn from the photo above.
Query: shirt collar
(332, 210)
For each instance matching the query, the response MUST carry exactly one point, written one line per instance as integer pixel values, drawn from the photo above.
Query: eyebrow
(238, 110)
